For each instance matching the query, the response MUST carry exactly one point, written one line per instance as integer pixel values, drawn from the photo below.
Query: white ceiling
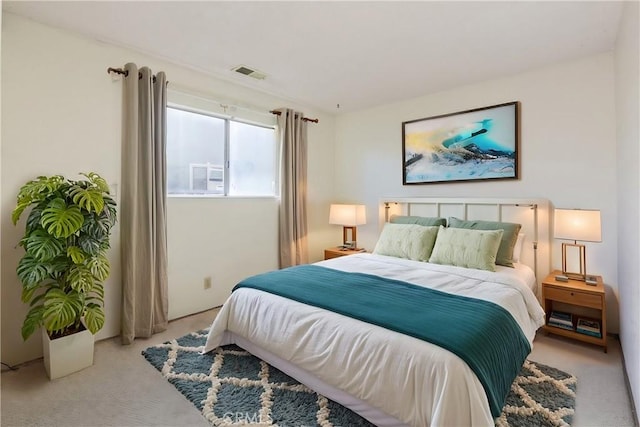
(356, 54)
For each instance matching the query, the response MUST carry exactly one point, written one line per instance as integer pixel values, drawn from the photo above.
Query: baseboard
(170, 320)
(634, 412)
(193, 314)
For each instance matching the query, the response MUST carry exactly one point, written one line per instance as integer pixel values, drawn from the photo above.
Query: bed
(388, 377)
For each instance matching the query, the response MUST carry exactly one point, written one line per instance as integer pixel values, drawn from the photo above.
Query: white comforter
(414, 381)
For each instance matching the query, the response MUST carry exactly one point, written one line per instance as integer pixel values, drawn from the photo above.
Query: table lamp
(577, 225)
(349, 216)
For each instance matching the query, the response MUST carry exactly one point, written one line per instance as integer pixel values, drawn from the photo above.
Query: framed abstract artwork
(470, 145)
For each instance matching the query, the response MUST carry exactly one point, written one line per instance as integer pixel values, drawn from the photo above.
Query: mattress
(406, 380)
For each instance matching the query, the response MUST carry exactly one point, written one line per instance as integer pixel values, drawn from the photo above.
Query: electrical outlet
(207, 282)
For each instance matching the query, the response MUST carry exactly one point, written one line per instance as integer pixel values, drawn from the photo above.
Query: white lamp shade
(577, 224)
(347, 215)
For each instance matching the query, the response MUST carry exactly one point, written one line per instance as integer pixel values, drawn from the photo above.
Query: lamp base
(349, 244)
(592, 281)
(574, 276)
(581, 275)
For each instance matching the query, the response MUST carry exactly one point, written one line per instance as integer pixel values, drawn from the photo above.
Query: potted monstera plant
(64, 267)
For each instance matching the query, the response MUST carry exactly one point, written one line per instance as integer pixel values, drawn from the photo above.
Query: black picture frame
(473, 145)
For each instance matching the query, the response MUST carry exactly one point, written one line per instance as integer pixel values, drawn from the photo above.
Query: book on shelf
(559, 322)
(560, 318)
(589, 324)
(560, 325)
(589, 327)
(592, 334)
(561, 315)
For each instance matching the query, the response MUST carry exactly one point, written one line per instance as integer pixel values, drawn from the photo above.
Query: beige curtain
(143, 205)
(292, 134)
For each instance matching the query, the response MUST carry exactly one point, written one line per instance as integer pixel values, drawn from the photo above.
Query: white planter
(66, 355)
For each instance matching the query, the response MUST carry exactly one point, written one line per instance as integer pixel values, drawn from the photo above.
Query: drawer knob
(571, 293)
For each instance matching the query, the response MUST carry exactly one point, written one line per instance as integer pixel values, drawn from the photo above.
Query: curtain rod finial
(117, 71)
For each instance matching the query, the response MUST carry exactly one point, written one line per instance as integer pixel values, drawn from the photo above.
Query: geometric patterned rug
(231, 387)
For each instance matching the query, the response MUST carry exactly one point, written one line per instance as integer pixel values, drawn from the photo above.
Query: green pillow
(509, 237)
(409, 241)
(420, 220)
(467, 248)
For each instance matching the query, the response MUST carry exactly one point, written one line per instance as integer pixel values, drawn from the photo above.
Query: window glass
(195, 153)
(252, 160)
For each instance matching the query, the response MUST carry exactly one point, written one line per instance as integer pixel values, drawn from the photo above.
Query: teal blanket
(481, 333)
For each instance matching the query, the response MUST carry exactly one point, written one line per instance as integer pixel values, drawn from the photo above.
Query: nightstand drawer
(332, 254)
(573, 297)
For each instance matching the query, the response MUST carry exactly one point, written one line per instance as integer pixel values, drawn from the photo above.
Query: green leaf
(33, 220)
(27, 293)
(29, 290)
(43, 246)
(93, 317)
(89, 199)
(97, 293)
(80, 278)
(76, 254)
(58, 266)
(32, 321)
(96, 226)
(61, 309)
(37, 299)
(90, 244)
(99, 266)
(98, 181)
(111, 212)
(39, 188)
(31, 271)
(34, 191)
(15, 215)
(61, 220)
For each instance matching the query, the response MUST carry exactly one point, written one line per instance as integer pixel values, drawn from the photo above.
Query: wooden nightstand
(338, 252)
(579, 299)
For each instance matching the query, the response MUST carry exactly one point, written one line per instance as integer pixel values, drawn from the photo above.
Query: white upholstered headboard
(533, 214)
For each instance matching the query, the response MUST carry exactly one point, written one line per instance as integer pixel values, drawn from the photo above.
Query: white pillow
(410, 241)
(517, 248)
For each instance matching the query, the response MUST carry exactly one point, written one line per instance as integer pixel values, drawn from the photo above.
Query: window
(210, 155)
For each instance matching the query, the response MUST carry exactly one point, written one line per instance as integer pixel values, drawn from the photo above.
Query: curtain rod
(126, 73)
(117, 71)
(306, 119)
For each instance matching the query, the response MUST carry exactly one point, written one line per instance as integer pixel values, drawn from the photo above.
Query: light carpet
(231, 387)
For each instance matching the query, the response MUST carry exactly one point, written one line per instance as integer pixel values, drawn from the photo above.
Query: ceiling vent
(242, 69)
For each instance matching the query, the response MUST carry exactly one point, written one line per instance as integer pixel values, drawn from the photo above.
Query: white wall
(61, 114)
(223, 240)
(627, 72)
(567, 151)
